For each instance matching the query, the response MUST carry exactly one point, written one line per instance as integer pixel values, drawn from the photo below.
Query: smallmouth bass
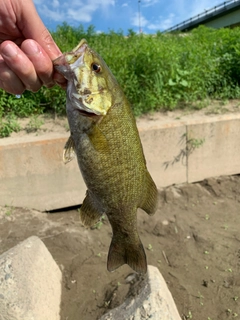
(105, 138)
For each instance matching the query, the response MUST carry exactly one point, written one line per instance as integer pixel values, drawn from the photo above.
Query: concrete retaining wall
(33, 175)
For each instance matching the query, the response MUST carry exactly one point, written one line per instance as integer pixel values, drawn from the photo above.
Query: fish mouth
(77, 101)
(69, 65)
(87, 113)
(62, 63)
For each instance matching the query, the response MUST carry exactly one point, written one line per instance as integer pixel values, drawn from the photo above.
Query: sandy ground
(193, 239)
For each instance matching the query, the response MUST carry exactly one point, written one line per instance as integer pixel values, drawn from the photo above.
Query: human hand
(26, 49)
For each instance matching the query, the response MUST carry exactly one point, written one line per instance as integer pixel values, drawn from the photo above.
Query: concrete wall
(33, 175)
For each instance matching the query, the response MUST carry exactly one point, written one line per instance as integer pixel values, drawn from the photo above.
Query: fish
(105, 139)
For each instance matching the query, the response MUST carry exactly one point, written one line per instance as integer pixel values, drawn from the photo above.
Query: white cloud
(148, 3)
(55, 3)
(77, 10)
(162, 23)
(79, 15)
(54, 15)
(135, 20)
(124, 5)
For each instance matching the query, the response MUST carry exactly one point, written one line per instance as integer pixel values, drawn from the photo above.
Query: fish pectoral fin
(98, 140)
(69, 151)
(149, 203)
(126, 252)
(89, 214)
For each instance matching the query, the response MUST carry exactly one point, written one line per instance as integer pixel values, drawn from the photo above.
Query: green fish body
(105, 138)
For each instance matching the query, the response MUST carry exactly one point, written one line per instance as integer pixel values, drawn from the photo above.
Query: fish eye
(96, 67)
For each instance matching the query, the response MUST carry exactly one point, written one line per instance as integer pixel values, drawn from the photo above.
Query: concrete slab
(30, 283)
(218, 148)
(164, 148)
(154, 302)
(33, 175)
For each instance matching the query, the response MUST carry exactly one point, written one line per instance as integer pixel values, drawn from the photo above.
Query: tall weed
(162, 71)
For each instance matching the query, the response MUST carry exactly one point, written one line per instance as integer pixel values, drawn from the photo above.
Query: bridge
(226, 14)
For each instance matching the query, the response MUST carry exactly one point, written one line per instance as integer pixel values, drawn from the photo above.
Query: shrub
(162, 71)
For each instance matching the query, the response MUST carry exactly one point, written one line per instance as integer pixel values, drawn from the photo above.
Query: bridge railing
(205, 13)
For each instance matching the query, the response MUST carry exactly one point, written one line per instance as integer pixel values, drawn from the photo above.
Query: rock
(30, 283)
(154, 302)
(172, 193)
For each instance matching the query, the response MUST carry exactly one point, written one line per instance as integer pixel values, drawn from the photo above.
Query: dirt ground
(193, 239)
(46, 124)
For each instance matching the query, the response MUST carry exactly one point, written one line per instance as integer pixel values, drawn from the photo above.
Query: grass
(164, 72)
(34, 124)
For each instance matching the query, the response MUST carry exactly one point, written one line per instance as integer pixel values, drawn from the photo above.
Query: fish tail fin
(149, 203)
(128, 251)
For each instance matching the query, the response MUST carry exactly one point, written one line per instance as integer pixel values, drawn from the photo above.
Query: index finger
(32, 27)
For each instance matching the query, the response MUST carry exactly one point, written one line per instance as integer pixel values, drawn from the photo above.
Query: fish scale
(105, 138)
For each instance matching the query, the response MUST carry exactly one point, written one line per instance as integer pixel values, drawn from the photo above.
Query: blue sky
(120, 14)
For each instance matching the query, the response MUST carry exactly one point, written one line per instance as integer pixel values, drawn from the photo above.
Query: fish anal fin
(89, 213)
(150, 201)
(126, 252)
(69, 150)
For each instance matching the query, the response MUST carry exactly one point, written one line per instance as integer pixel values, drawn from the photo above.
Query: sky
(148, 15)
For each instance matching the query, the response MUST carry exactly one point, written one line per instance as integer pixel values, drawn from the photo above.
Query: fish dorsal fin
(149, 203)
(69, 151)
(89, 212)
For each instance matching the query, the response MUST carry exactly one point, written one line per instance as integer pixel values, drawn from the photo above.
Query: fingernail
(9, 50)
(31, 48)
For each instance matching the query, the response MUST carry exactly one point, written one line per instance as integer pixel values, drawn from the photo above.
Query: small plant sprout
(201, 297)
(107, 303)
(207, 217)
(99, 224)
(189, 315)
(235, 298)
(206, 252)
(150, 248)
(225, 227)
(9, 210)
